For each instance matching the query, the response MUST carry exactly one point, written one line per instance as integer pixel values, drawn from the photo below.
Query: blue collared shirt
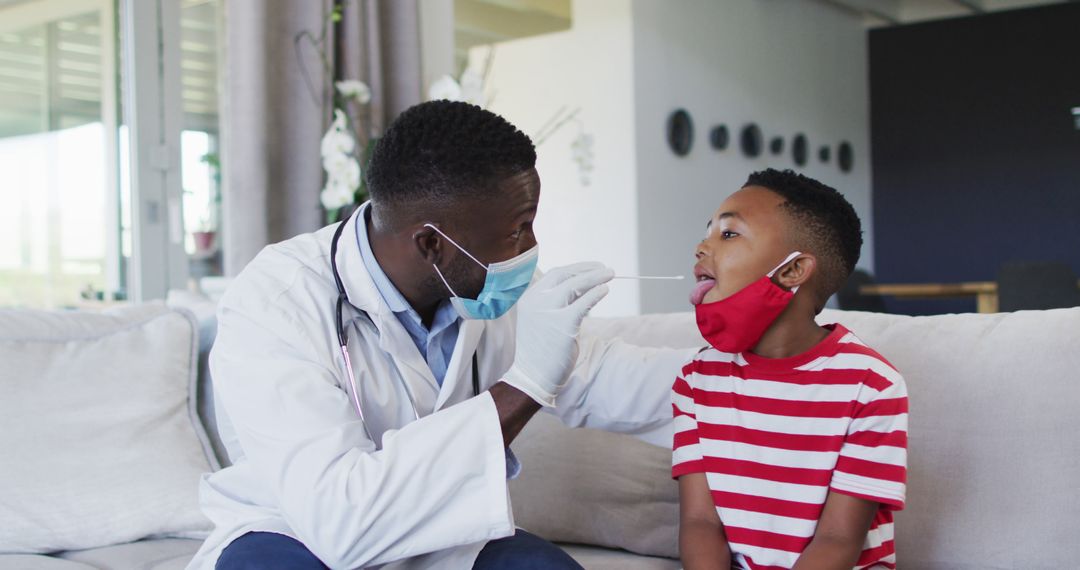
(436, 345)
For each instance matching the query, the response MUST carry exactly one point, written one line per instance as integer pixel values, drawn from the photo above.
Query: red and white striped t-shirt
(774, 436)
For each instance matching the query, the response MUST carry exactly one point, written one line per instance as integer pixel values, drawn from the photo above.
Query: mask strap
(445, 282)
(794, 289)
(463, 250)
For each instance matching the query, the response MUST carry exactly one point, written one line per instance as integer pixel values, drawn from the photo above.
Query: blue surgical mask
(506, 281)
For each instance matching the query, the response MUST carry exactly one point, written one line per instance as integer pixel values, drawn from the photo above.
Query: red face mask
(737, 322)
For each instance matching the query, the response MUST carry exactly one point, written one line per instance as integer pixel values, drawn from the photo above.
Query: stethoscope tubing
(343, 340)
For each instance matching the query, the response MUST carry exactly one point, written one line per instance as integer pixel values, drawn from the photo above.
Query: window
(200, 31)
(59, 199)
(70, 206)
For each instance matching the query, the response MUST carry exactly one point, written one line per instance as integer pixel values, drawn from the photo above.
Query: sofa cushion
(205, 311)
(994, 442)
(593, 487)
(40, 562)
(98, 428)
(160, 554)
(594, 558)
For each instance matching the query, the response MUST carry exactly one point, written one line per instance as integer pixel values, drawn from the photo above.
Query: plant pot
(204, 241)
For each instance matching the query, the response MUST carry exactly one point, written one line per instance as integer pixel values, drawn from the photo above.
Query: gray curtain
(277, 105)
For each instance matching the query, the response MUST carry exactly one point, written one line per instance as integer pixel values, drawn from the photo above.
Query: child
(790, 438)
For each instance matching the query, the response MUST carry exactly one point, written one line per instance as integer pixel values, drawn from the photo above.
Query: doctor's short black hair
(439, 151)
(824, 223)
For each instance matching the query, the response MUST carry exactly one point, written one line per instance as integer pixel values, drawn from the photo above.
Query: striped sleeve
(873, 459)
(686, 449)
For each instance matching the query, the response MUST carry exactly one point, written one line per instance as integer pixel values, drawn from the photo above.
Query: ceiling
(878, 13)
(485, 22)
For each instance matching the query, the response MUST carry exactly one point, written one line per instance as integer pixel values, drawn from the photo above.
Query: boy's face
(745, 240)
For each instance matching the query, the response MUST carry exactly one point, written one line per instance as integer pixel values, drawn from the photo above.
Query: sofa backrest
(205, 313)
(994, 446)
(994, 443)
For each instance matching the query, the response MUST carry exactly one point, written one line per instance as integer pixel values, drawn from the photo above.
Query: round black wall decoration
(799, 149)
(845, 156)
(776, 145)
(680, 132)
(718, 137)
(751, 140)
(824, 153)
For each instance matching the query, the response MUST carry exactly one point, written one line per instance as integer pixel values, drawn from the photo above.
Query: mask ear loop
(463, 250)
(451, 240)
(794, 289)
(445, 282)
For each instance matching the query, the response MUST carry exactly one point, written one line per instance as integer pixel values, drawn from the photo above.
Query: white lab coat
(424, 494)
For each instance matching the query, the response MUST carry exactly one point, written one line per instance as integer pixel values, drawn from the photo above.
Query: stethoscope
(343, 339)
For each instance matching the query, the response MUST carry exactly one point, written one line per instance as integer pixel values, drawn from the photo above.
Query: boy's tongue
(702, 287)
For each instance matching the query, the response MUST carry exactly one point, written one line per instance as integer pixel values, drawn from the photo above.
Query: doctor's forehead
(515, 188)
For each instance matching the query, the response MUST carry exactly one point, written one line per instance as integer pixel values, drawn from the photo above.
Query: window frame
(153, 112)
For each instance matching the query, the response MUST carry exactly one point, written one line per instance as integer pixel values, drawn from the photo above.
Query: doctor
(394, 451)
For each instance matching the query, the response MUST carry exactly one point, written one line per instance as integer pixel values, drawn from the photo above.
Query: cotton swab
(651, 277)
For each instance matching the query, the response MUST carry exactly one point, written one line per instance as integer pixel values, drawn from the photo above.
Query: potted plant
(204, 235)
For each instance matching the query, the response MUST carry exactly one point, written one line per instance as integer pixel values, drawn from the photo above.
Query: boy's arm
(702, 543)
(840, 533)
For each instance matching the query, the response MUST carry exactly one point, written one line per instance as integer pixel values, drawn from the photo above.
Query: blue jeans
(267, 551)
(271, 551)
(524, 551)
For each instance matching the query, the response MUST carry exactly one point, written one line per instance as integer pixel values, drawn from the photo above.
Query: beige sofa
(994, 452)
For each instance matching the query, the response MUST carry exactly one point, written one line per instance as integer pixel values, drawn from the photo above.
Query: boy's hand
(840, 535)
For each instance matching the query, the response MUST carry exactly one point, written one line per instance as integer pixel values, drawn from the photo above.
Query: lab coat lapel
(393, 338)
(457, 385)
(359, 286)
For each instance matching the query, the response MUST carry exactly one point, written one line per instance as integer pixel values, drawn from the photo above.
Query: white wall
(589, 67)
(790, 66)
(787, 66)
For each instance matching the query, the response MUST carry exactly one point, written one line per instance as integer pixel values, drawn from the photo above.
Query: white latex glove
(549, 318)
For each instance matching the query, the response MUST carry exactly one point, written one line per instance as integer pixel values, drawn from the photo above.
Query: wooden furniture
(985, 292)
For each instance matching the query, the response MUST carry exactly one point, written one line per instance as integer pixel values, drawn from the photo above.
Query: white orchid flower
(337, 139)
(335, 195)
(444, 88)
(340, 122)
(342, 170)
(472, 87)
(354, 89)
(581, 150)
(332, 199)
(350, 174)
(583, 142)
(334, 143)
(334, 164)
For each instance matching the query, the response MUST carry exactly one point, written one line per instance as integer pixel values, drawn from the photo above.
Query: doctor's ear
(429, 244)
(798, 271)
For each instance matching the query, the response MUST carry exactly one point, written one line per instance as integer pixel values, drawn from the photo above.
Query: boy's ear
(797, 271)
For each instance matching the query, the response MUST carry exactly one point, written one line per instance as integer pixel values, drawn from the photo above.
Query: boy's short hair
(825, 224)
